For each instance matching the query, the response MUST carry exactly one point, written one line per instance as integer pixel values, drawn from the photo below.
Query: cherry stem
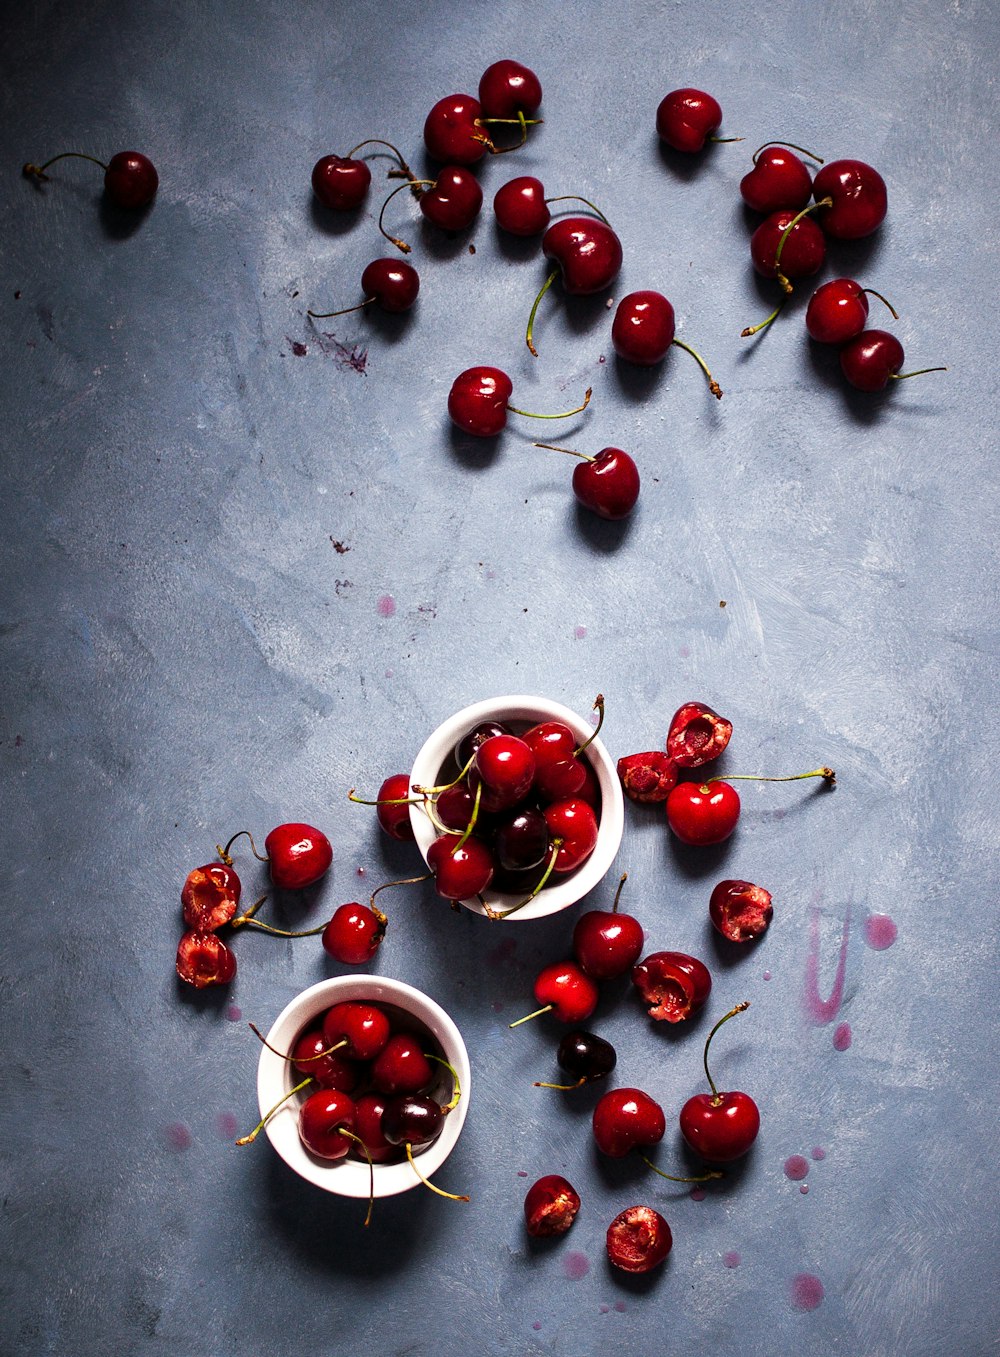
(563, 414)
(755, 329)
(575, 198)
(283, 1056)
(540, 1083)
(378, 141)
(702, 1178)
(445, 786)
(791, 144)
(618, 892)
(722, 140)
(456, 1096)
(31, 171)
(892, 310)
(472, 818)
(224, 852)
(249, 1139)
(404, 881)
(248, 914)
(599, 708)
(531, 319)
(782, 280)
(538, 1011)
(552, 447)
(394, 240)
(740, 1008)
(521, 122)
(386, 800)
(346, 311)
(371, 1170)
(283, 932)
(919, 372)
(505, 913)
(452, 1196)
(713, 385)
(829, 776)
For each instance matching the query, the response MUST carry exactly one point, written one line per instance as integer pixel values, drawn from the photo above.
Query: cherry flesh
(607, 943)
(873, 359)
(720, 1127)
(638, 1239)
(360, 1029)
(673, 985)
(460, 873)
(687, 118)
(454, 200)
(520, 207)
(401, 1066)
(648, 777)
(859, 199)
(697, 735)
(393, 811)
(311, 1055)
(209, 897)
(779, 180)
(323, 1117)
(354, 933)
(740, 911)
(203, 960)
(550, 1206)
(627, 1118)
(453, 132)
(703, 814)
(803, 250)
(574, 823)
(299, 855)
(507, 89)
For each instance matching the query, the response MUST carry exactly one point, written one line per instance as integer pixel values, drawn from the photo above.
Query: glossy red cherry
(412, 1119)
(460, 873)
(697, 735)
(354, 934)
(837, 311)
(130, 178)
(359, 1029)
(740, 910)
(607, 943)
(323, 1118)
(298, 854)
(203, 960)
(575, 824)
(341, 183)
(209, 897)
(507, 89)
(559, 772)
(454, 200)
(522, 841)
(638, 1239)
(703, 813)
(393, 803)
(368, 1112)
(607, 484)
(673, 985)
(720, 1127)
(779, 180)
(331, 1069)
(803, 248)
(550, 1206)
(520, 207)
(859, 199)
(587, 251)
(453, 132)
(873, 359)
(687, 118)
(401, 1066)
(472, 739)
(478, 402)
(627, 1118)
(506, 765)
(563, 989)
(391, 283)
(643, 328)
(648, 777)
(455, 806)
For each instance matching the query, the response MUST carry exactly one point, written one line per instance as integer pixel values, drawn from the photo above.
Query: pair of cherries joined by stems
(869, 359)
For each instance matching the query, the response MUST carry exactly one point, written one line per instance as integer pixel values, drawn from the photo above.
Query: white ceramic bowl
(276, 1077)
(434, 765)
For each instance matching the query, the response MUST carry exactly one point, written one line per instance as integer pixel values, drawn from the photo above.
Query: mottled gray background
(184, 653)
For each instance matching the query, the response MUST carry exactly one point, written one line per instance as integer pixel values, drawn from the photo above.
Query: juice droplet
(697, 1194)
(767, 975)
(818, 1152)
(804, 1188)
(796, 1167)
(361, 871)
(806, 1291)
(824, 1010)
(620, 1306)
(522, 1173)
(386, 605)
(537, 1324)
(233, 1013)
(576, 1265)
(731, 1259)
(604, 1308)
(579, 632)
(389, 673)
(880, 932)
(842, 1036)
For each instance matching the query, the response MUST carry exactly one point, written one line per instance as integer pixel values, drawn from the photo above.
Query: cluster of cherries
(371, 1084)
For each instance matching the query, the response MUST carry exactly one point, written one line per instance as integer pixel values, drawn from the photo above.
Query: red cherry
(322, 1118)
(453, 133)
(130, 180)
(837, 311)
(202, 960)
(606, 943)
(550, 1206)
(368, 1110)
(778, 180)
(740, 910)
(802, 253)
(472, 739)
(454, 807)
(643, 328)
(454, 200)
(564, 990)
(648, 777)
(209, 897)
(697, 735)
(507, 89)
(859, 199)
(607, 484)
(520, 208)
(625, 1118)
(340, 182)
(393, 283)
(873, 359)
(506, 765)
(575, 824)
(638, 1239)
(393, 811)
(673, 985)
(703, 814)
(354, 934)
(591, 789)
(720, 1127)
(587, 252)
(401, 1066)
(359, 1029)
(686, 118)
(412, 1119)
(559, 773)
(460, 873)
(330, 1069)
(298, 855)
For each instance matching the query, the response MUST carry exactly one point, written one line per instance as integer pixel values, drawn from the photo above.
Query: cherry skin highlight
(550, 1206)
(506, 764)
(697, 735)
(330, 1069)
(585, 1056)
(643, 328)
(575, 823)
(470, 742)
(638, 1239)
(368, 1112)
(673, 985)
(607, 943)
(687, 118)
(401, 1066)
(703, 814)
(340, 182)
(626, 1118)
(720, 1127)
(298, 855)
(393, 283)
(559, 772)
(571, 994)
(859, 199)
(507, 89)
(209, 897)
(520, 207)
(740, 911)
(779, 180)
(460, 873)
(363, 1028)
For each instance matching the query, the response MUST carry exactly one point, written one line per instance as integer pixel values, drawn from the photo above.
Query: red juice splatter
(842, 1036)
(796, 1167)
(361, 871)
(697, 1194)
(576, 1265)
(805, 1291)
(620, 1306)
(767, 975)
(537, 1324)
(731, 1259)
(880, 932)
(821, 1010)
(503, 951)
(580, 633)
(179, 1136)
(804, 1188)
(818, 1152)
(386, 605)
(604, 1308)
(522, 1173)
(233, 1013)
(684, 652)
(226, 1125)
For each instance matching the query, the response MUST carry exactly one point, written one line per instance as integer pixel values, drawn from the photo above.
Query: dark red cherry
(478, 400)
(703, 813)
(837, 311)
(393, 283)
(647, 777)
(393, 811)
(330, 1069)
(643, 328)
(871, 360)
(322, 1118)
(411, 1118)
(522, 841)
(454, 807)
(340, 182)
(638, 1239)
(607, 943)
(452, 131)
(460, 873)
(587, 252)
(626, 1118)
(686, 118)
(697, 735)
(859, 199)
(209, 897)
(720, 1127)
(575, 823)
(585, 1056)
(779, 179)
(368, 1112)
(673, 985)
(354, 934)
(203, 960)
(454, 201)
(607, 484)
(507, 88)
(362, 1028)
(469, 743)
(401, 1066)
(520, 208)
(740, 910)
(130, 180)
(298, 855)
(802, 253)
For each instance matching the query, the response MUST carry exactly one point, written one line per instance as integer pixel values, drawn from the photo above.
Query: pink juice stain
(226, 1125)
(731, 1259)
(880, 932)
(579, 632)
(604, 1308)
(842, 1037)
(233, 1013)
(821, 1010)
(818, 1153)
(537, 1325)
(805, 1291)
(804, 1189)
(620, 1306)
(179, 1136)
(796, 1167)
(697, 1194)
(576, 1265)
(386, 606)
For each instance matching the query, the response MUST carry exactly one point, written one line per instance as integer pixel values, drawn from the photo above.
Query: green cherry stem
(713, 385)
(472, 818)
(892, 310)
(618, 893)
(377, 141)
(387, 800)
(782, 280)
(411, 184)
(282, 932)
(249, 1139)
(562, 414)
(284, 1056)
(452, 1196)
(740, 1008)
(762, 325)
(534, 311)
(224, 852)
(792, 146)
(247, 915)
(444, 786)
(344, 311)
(827, 774)
(703, 1177)
(599, 708)
(456, 1096)
(575, 198)
(553, 447)
(506, 913)
(919, 372)
(371, 1170)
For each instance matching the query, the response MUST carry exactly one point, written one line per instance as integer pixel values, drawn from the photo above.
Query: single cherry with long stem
(130, 178)
(707, 812)
(588, 256)
(479, 402)
(392, 283)
(606, 483)
(838, 310)
(872, 360)
(341, 183)
(779, 180)
(607, 943)
(642, 332)
(720, 1127)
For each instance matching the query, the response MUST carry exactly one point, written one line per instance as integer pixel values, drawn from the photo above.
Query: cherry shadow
(729, 956)
(334, 223)
(698, 861)
(119, 223)
(604, 536)
(473, 452)
(639, 384)
(517, 249)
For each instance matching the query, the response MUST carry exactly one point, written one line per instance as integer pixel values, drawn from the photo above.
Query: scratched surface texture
(247, 564)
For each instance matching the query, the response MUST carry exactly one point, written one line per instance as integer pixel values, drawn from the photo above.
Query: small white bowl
(276, 1077)
(434, 765)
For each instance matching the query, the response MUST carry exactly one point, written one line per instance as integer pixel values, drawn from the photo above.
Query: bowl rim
(275, 1077)
(611, 826)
